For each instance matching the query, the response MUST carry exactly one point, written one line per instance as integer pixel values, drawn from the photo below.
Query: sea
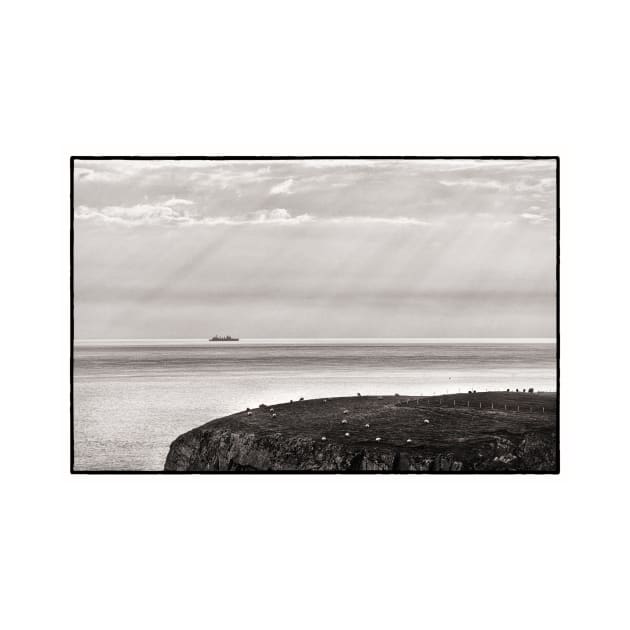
(132, 398)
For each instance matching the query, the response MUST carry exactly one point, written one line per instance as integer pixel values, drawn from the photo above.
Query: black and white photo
(315, 314)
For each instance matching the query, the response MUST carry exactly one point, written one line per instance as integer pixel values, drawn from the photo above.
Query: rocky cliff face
(225, 450)
(228, 451)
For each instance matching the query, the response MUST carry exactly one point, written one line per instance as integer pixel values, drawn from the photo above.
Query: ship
(220, 338)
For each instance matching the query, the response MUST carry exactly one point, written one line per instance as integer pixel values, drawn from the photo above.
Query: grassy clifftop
(501, 431)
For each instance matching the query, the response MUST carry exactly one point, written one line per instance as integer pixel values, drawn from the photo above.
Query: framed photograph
(315, 314)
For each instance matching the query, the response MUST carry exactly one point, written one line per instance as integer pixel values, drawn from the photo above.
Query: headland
(469, 432)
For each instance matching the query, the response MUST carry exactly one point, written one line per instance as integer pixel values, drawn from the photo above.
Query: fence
(419, 402)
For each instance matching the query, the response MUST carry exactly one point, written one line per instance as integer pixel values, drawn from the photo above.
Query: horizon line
(444, 339)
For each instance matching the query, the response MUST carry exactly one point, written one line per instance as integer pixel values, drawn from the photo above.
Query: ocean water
(132, 398)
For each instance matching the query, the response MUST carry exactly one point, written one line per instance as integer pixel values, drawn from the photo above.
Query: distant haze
(322, 248)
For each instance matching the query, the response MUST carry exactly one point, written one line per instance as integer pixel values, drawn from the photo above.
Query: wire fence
(475, 404)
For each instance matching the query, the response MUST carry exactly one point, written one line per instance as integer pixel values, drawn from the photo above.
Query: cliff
(489, 431)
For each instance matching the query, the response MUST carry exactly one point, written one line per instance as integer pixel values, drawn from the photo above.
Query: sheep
(367, 425)
(302, 398)
(247, 409)
(426, 421)
(409, 441)
(378, 439)
(249, 413)
(344, 422)
(273, 415)
(347, 434)
(323, 438)
(271, 410)
(359, 394)
(345, 411)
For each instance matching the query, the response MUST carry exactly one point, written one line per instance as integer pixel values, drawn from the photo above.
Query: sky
(314, 248)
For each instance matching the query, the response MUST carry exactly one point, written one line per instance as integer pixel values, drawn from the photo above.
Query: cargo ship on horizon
(220, 338)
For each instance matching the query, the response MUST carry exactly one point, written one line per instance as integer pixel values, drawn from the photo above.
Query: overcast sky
(356, 248)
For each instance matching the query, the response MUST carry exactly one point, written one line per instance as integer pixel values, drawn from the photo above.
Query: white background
(390, 78)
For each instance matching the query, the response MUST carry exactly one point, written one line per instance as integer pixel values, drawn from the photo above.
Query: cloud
(490, 184)
(283, 188)
(370, 219)
(178, 202)
(140, 214)
(543, 184)
(277, 215)
(228, 175)
(171, 213)
(97, 176)
(534, 218)
(206, 172)
(165, 215)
